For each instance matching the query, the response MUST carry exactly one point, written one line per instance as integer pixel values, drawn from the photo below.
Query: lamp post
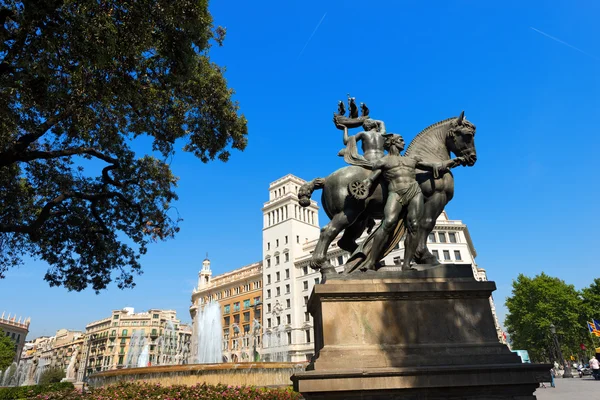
(254, 353)
(566, 366)
(87, 356)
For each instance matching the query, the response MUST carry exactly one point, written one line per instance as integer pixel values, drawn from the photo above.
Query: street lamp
(87, 356)
(255, 354)
(567, 367)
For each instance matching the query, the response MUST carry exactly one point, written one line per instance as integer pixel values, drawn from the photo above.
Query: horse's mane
(426, 131)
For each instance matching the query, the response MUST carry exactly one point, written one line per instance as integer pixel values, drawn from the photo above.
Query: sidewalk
(582, 388)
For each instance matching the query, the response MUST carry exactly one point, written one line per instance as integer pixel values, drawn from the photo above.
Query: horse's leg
(338, 223)
(432, 209)
(351, 233)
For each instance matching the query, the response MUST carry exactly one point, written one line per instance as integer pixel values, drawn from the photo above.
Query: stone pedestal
(418, 335)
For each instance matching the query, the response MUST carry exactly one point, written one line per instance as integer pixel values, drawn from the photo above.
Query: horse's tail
(307, 189)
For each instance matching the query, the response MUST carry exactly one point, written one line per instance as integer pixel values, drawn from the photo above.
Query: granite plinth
(423, 334)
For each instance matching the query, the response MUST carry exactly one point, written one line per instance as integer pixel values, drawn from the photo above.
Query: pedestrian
(552, 373)
(595, 366)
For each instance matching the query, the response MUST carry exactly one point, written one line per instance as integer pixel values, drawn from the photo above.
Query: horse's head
(461, 140)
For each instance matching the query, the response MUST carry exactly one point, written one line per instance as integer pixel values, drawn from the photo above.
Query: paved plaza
(575, 388)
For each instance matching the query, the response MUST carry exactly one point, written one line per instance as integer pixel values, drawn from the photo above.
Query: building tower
(204, 274)
(286, 228)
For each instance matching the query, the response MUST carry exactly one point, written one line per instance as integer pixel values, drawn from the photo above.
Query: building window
(277, 275)
(452, 237)
(288, 303)
(276, 260)
(236, 319)
(307, 316)
(446, 255)
(246, 304)
(436, 254)
(116, 317)
(316, 281)
(247, 316)
(256, 300)
(236, 306)
(287, 274)
(442, 237)
(286, 240)
(268, 262)
(397, 260)
(278, 321)
(269, 279)
(297, 239)
(155, 316)
(431, 237)
(305, 270)
(289, 335)
(287, 257)
(287, 289)
(268, 246)
(289, 318)
(226, 322)
(305, 283)
(269, 307)
(457, 256)
(276, 242)
(268, 293)
(340, 260)
(227, 309)
(278, 291)
(307, 332)
(268, 322)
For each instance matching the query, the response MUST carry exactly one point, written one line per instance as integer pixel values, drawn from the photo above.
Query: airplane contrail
(312, 34)
(565, 43)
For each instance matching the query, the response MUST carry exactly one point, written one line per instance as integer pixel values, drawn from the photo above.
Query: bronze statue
(403, 207)
(351, 215)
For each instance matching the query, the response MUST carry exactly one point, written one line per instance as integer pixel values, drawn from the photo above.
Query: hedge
(26, 392)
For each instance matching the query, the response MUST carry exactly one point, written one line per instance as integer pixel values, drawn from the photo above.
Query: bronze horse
(433, 144)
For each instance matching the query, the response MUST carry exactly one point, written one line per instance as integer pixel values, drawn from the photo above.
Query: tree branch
(35, 155)
(46, 212)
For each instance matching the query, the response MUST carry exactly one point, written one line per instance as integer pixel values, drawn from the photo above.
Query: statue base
(421, 334)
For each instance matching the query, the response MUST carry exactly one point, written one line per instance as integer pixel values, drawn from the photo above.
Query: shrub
(51, 375)
(26, 392)
(176, 392)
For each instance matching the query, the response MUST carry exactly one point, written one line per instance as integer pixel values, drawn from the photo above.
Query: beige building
(15, 329)
(239, 294)
(55, 351)
(117, 341)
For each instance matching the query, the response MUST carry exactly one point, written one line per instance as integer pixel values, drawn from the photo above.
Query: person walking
(595, 366)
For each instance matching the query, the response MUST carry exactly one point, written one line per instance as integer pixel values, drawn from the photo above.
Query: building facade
(112, 342)
(17, 330)
(287, 230)
(239, 295)
(56, 351)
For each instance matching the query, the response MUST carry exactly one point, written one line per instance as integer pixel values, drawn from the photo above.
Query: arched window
(124, 332)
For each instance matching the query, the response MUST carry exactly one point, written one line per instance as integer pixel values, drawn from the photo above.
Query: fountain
(207, 336)
(144, 357)
(136, 345)
(276, 339)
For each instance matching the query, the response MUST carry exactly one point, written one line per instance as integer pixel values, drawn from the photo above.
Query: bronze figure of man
(404, 201)
(372, 141)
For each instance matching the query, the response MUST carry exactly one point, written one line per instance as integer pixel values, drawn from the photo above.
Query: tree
(51, 375)
(7, 351)
(591, 300)
(535, 304)
(80, 81)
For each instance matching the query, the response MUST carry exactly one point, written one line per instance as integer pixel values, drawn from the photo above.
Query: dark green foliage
(51, 375)
(26, 392)
(7, 351)
(79, 82)
(535, 304)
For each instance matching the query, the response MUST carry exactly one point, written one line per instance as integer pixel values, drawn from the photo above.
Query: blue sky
(535, 99)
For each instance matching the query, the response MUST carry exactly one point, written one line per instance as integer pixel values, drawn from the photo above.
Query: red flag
(582, 346)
